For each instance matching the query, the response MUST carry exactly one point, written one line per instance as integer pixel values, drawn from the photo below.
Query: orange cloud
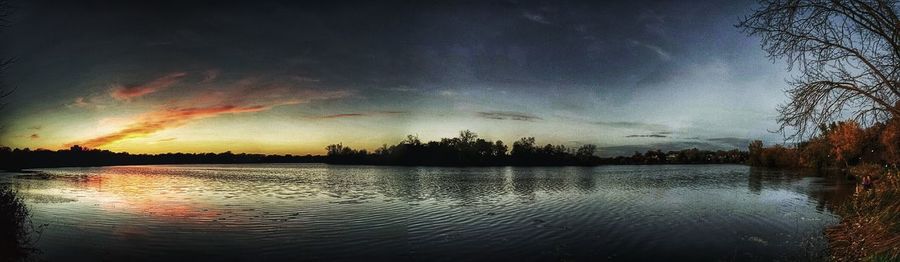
(81, 102)
(34, 136)
(153, 122)
(130, 92)
(209, 105)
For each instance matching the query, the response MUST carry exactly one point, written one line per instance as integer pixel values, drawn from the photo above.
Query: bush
(15, 226)
(870, 228)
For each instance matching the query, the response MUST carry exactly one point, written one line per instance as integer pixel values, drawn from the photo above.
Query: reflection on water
(321, 212)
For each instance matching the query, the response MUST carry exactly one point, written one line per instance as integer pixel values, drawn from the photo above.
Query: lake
(326, 212)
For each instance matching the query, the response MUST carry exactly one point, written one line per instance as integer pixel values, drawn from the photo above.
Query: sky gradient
(282, 77)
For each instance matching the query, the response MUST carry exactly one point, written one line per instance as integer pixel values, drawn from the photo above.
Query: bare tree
(5, 12)
(846, 53)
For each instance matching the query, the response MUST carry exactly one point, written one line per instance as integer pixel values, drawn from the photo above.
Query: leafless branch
(846, 54)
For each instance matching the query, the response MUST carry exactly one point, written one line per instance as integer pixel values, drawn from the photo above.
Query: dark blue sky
(626, 75)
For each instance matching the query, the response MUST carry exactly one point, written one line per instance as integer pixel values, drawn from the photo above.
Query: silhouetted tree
(755, 149)
(16, 159)
(500, 149)
(847, 54)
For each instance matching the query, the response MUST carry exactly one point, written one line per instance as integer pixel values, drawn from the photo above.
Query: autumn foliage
(890, 140)
(846, 141)
(839, 144)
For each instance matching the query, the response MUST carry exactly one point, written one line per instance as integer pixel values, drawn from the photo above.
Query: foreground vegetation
(15, 226)
(870, 228)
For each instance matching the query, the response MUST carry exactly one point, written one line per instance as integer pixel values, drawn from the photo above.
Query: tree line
(468, 149)
(77, 156)
(465, 150)
(838, 144)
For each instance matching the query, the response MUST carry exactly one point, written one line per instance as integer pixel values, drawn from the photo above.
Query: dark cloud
(632, 125)
(508, 115)
(348, 115)
(359, 44)
(535, 17)
(135, 91)
(625, 150)
(731, 141)
(651, 135)
(34, 136)
(585, 58)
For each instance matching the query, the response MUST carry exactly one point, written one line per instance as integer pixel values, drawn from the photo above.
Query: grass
(870, 228)
(15, 226)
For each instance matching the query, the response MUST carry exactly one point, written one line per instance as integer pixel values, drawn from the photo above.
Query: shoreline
(29, 170)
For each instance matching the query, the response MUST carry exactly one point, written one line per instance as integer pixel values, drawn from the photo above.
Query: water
(322, 212)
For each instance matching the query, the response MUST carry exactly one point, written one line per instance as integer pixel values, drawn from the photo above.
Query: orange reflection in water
(146, 191)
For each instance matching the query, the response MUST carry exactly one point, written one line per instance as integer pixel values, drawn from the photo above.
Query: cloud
(131, 92)
(633, 125)
(508, 115)
(537, 18)
(166, 140)
(38, 127)
(245, 99)
(306, 79)
(652, 135)
(348, 115)
(343, 115)
(81, 102)
(656, 49)
(210, 75)
(401, 88)
(34, 136)
(730, 141)
(156, 121)
(626, 150)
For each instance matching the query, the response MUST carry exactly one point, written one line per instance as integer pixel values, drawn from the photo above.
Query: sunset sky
(282, 77)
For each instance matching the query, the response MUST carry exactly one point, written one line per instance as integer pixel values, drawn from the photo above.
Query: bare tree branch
(846, 54)
(5, 12)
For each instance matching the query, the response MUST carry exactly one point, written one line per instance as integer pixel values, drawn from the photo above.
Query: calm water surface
(322, 212)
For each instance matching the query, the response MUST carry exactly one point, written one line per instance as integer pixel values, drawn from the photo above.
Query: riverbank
(870, 225)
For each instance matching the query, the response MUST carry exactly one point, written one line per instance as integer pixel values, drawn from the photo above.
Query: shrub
(15, 226)
(870, 228)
